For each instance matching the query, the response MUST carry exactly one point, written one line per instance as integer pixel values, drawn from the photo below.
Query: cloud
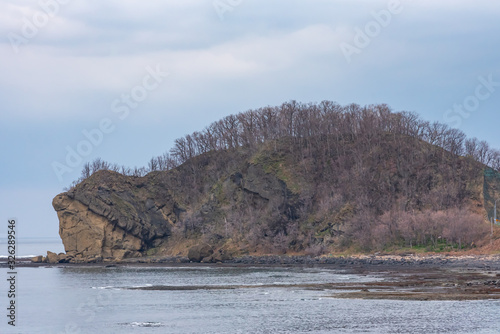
(91, 52)
(55, 79)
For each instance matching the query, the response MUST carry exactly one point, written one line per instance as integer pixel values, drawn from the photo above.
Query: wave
(144, 324)
(142, 286)
(107, 288)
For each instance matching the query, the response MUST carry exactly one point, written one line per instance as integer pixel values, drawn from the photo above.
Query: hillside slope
(292, 194)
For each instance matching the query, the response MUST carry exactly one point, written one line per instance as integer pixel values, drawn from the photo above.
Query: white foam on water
(106, 288)
(142, 286)
(146, 324)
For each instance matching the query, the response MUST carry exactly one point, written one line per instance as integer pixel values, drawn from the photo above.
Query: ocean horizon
(29, 247)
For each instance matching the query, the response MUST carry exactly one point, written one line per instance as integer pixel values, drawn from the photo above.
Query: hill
(307, 179)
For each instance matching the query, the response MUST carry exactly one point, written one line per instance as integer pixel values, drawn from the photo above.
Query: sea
(30, 247)
(218, 299)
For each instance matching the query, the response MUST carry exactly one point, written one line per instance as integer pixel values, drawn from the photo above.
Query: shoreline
(409, 277)
(487, 262)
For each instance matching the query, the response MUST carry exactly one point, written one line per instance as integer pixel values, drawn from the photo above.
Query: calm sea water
(29, 247)
(98, 300)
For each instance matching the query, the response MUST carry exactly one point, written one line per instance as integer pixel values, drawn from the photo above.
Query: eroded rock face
(83, 231)
(108, 216)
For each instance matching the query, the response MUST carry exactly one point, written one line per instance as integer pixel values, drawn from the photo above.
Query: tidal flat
(407, 277)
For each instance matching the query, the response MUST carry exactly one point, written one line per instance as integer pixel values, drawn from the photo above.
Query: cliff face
(85, 232)
(109, 215)
(282, 196)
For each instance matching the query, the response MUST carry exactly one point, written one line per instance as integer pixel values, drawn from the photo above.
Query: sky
(121, 80)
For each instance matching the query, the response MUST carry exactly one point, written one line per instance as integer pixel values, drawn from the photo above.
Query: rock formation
(199, 252)
(52, 258)
(112, 218)
(38, 259)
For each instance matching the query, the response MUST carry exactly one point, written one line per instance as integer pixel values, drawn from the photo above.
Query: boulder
(94, 259)
(37, 259)
(208, 259)
(221, 255)
(199, 252)
(52, 258)
(76, 260)
(64, 258)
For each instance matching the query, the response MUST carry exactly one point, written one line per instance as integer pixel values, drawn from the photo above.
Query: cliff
(112, 216)
(283, 196)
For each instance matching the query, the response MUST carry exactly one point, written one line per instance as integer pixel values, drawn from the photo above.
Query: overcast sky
(129, 77)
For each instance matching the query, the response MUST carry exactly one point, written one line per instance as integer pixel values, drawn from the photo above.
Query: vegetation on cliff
(308, 178)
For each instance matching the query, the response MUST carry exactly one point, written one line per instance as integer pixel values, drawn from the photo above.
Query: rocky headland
(307, 180)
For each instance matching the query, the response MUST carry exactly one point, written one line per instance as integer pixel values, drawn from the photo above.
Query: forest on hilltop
(357, 176)
(308, 123)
